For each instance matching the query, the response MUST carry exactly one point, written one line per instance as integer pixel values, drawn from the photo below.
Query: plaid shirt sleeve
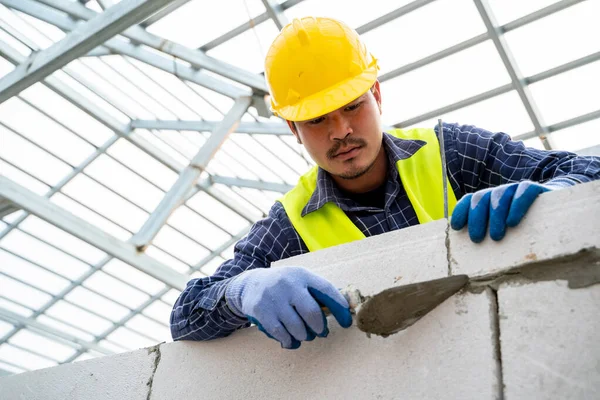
(478, 159)
(201, 311)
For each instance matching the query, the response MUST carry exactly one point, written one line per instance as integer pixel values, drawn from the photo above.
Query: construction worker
(323, 82)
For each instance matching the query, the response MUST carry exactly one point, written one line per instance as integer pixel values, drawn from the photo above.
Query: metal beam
(246, 26)
(189, 176)
(51, 333)
(275, 12)
(518, 83)
(7, 207)
(474, 41)
(122, 130)
(392, 15)
(83, 39)
(164, 12)
(120, 46)
(204, 126)
(501, 90)
(50, 212)
(253, 184)
(563, 125)
(195, 57)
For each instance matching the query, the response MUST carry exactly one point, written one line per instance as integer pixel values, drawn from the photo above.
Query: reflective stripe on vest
(421, 176)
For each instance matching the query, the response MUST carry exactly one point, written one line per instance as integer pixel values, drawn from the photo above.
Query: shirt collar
(327, 191)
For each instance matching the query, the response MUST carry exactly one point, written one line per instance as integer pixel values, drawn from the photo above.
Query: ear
(376, 90)
(294, 130)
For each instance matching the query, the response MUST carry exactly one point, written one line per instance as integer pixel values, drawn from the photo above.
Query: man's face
(345, 142)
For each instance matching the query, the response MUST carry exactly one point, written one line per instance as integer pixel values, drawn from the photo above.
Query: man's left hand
(502, 206)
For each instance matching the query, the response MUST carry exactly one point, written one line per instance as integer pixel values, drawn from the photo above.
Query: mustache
(347, 142)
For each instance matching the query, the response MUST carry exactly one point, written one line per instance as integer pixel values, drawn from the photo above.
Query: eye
(354, 106)
(316, 121)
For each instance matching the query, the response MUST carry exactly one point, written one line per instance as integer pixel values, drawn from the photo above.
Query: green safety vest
(421, 176)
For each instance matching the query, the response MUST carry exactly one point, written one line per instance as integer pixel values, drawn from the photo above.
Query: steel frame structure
(121, 31)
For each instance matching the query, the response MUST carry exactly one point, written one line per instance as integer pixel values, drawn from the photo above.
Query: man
(323, 82)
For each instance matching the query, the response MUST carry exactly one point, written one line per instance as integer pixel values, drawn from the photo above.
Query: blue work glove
(502, 206)
(285, 303)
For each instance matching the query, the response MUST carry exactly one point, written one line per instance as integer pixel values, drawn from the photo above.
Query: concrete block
(447, 354)
(401, 257)
(122, 376)
(559, 223)
(549, 341)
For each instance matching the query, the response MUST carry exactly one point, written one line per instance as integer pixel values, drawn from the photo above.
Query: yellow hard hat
(315, 66)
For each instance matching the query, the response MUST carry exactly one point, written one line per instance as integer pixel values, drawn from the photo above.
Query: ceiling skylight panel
(115, 347)
(556, 39)
(115, 289)
(5, 327)
(170, 297)
(62, 239)
(504, 113)
(462, 75)
(220, 103)
(10, 368)
(105, 202)
(178, 141)
(211, 267)
(18, 268)
(67, 312)
(255, 197)
(49, 31)
(229, 155)
(11, 305)
(279, 147)
(159, 311)
(425, 31)
(160, 255)
(23, 358)
(268, 157)
(250, 161)
(90, 216)
(10, 40)
(108, 90)
(159, 332)
(68, 329)
(509, 10)
(42, 345)
(143, 164)
(568, 95)
(202, 24)
(163, 145)
(43, 254)
(230, 193)
(98, 304)
(69, 115)
(352, 12)
(137, 278)
(49, 135)
(15, 20)
(19, 292)
(30, 158)
(129, 339)
(20, 177)
(198, 228)
(137, 93)
(178, 244)
(577, 137)
(125, 182)
(216, 212)
(113, 110)
(250, 46)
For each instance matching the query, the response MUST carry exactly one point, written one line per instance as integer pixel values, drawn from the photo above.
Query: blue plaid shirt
(477, 159)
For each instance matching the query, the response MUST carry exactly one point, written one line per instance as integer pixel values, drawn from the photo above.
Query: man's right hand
(285, 303)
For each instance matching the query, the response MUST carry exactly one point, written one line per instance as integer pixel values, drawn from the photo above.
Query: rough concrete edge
(496, 342)
(157, 355)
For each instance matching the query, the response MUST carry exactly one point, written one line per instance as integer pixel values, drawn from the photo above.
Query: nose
(339, 127)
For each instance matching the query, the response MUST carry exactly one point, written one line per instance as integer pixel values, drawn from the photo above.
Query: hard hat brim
(330, 99)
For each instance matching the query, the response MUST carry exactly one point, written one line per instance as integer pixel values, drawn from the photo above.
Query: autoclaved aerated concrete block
(559, 223)
(550, 340)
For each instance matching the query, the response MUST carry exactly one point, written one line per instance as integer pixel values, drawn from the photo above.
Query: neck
(370, 180)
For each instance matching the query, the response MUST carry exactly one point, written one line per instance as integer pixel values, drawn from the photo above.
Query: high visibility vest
(421, 176)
